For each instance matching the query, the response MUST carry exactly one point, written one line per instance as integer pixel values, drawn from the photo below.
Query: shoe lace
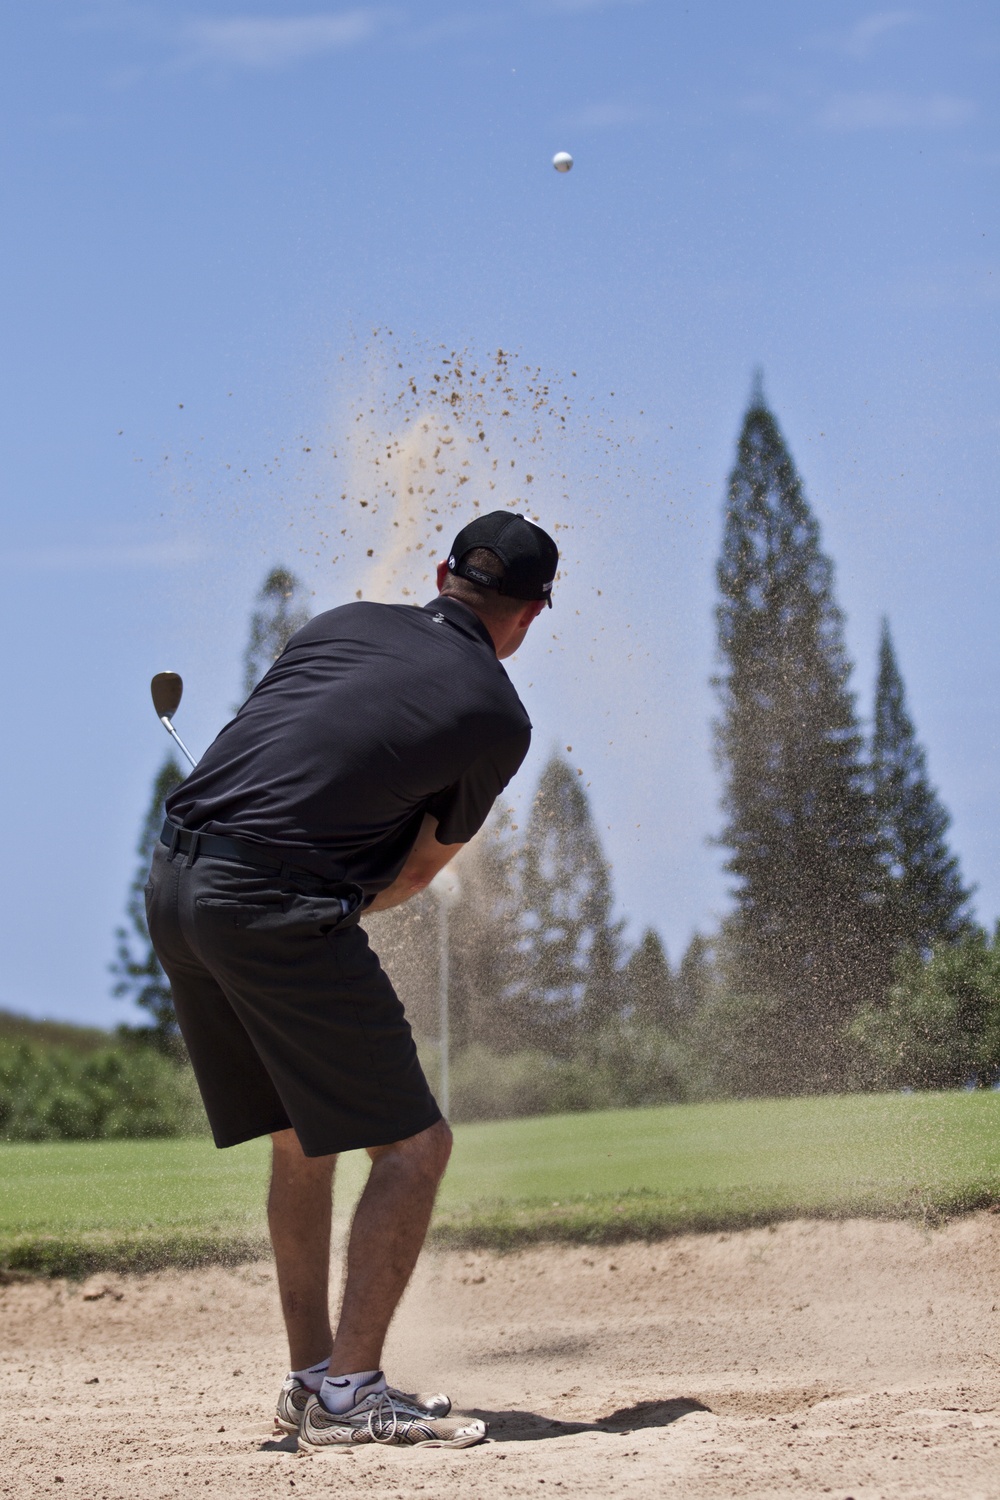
(383, 1420)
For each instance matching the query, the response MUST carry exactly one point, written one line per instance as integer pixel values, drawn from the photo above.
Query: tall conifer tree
(648, 987)
(928, 902)
(569, 948)
(696, 975)
(484, 989)
(483, 932)
(800, 822)
(282, 609)
(138, 975)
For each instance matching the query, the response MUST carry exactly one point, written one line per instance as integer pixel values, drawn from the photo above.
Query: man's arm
(423, 862)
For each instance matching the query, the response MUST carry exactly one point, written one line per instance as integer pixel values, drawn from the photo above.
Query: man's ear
(531, 613)
(441, 575)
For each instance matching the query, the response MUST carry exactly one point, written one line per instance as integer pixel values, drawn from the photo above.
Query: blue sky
(208, 209)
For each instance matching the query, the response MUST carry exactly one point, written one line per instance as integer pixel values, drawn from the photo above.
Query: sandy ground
(855, 1359)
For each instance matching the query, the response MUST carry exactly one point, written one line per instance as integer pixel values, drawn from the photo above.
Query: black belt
(219, 847)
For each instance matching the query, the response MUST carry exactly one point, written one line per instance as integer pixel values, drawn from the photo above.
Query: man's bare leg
(299, 1209)
(388, 1232)
(387, 1235)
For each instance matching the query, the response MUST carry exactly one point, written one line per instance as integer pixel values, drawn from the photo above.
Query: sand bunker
(853, 1359)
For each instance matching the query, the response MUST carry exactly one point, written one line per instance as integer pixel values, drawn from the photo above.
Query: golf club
(166, 688)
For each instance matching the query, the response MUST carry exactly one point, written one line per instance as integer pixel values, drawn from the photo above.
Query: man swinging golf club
(367, 756)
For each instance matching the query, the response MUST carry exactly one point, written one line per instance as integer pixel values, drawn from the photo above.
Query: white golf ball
(562, 161)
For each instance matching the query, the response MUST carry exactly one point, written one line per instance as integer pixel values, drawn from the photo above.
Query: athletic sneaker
(384, 1418)
(294, 1395)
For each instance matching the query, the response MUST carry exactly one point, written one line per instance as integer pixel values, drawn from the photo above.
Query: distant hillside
(15, 1028)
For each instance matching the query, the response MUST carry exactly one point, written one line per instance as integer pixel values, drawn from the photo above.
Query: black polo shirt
(373, 715)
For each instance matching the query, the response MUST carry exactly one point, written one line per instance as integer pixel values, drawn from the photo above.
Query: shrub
(635, 1064)
(490, 1086)
(623, 1066)
(59, 1094)
(741, 1048)
(940, 1026)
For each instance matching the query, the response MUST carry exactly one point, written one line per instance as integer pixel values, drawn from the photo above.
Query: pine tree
(696, 975)
(648, 987)
(139, 975)
(928, 904)
(282, 609)
(800, 822)
(569, 948)
(482, 946)
(483, 934)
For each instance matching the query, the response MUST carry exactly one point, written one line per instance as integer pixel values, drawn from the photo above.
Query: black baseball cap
(529, 555)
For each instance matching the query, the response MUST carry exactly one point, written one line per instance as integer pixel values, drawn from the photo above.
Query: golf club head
(166, 688)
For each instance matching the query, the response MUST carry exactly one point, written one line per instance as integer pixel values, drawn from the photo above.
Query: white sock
(312, 1378)
(339, 1393)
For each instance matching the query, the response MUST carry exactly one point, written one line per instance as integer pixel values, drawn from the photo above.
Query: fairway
(587, 1177)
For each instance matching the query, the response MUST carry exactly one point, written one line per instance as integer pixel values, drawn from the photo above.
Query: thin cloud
(888, 111)
(92, 557)
(274, 41)
(861, 39)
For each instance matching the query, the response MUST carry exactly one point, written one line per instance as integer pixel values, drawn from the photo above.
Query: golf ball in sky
(562, 161)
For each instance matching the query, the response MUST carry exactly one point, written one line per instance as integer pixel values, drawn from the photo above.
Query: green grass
(653, 1172)
(585, 1178)
(72, 1207)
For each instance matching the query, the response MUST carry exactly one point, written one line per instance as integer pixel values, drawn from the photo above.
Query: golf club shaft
(176, 738)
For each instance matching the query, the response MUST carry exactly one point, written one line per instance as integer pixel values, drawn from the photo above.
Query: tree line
(837, 843)
(851, 957)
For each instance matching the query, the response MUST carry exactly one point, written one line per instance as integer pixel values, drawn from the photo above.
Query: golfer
(367, 756)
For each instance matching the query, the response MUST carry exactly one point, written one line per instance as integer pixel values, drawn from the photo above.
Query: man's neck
(498, 641)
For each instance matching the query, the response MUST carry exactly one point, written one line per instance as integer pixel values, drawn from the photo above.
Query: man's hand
(423, 862)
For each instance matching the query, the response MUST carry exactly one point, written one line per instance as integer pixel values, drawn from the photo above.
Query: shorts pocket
(294, 916)
(241, 913)
(149, 896)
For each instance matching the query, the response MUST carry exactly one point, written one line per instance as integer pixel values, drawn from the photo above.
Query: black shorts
(287, 1015)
